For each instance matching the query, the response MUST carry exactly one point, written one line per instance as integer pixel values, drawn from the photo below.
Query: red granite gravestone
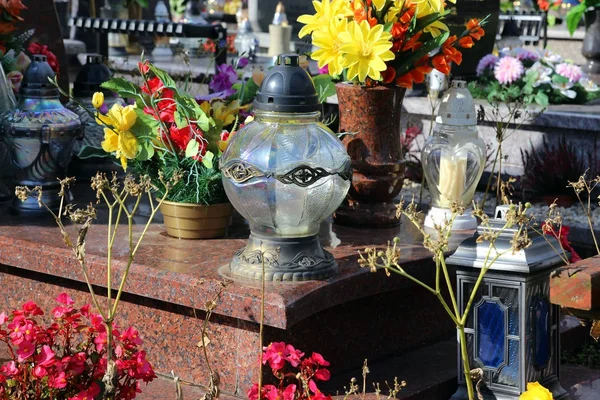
(577, 287)
(41, 16)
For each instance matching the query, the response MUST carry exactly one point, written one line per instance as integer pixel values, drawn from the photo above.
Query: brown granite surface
(347, 318)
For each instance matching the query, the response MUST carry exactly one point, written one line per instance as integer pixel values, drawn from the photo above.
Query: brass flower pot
(196, 221)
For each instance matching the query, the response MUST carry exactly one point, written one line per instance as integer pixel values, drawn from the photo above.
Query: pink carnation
(571, 71)
(508, 69)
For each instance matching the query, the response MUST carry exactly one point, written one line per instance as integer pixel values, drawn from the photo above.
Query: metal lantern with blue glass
(285, 172)
(453, 158)
(512, 329)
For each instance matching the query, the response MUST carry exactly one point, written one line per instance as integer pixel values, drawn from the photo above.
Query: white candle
(453, 173)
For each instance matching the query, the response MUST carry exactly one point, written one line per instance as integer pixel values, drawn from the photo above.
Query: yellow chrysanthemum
(324, 11)
(394, 10)
(225, 112)
(366, 49)
(535, 391)
(329, 42)
(117, 138)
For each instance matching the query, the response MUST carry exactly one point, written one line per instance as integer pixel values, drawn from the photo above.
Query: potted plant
(378, 49)
(165, 133)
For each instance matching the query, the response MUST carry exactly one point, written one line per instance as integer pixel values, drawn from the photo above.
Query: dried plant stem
(588, 214)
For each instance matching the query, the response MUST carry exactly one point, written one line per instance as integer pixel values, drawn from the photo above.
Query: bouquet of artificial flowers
(390, 42)
(533, 77)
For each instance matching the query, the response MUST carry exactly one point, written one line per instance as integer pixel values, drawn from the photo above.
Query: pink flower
(324, 70)
(15, 78)
(46, 357)
(275, 355)
(294, 356)
(25, 350)
(508, 70)
(131, 336)
(60, 311)
(487, 62)
(32, 308)
(10, 369)
(88, 394)
(65, 299)
(571, 71)
(318, 358)
(39, 371)
(322, 374)
(3, 318)
(58, 381)
(100, 341)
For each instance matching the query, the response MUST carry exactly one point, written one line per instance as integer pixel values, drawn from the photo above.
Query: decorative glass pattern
(510, 298)
(491, 333)
(509, 374)
(467, 287)
(540, 309)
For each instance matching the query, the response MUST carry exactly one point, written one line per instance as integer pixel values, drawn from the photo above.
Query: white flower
(551, 57)
(565, 89)
(588, 84)
(544, 74)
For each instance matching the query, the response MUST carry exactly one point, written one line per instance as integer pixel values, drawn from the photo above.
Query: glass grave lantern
(512, 329)
(40, 133)
(285, 172)
(453, 158)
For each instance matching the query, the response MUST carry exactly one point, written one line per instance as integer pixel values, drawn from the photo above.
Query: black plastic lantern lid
(36, 81)
(287, 88)
(91, 76)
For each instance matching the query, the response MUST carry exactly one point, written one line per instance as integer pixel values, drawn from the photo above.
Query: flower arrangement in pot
(378, 49)
(533, 77)
(166, 133)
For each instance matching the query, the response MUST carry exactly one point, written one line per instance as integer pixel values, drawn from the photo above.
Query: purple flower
(242, 62)
(524, 54)
(324, 70)
(218, 95)
(508, 70)
(486, 63)
(103, 109)
(224, 79)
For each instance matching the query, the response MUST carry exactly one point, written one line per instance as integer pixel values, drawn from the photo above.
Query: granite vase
(196, 221)
(370, 121)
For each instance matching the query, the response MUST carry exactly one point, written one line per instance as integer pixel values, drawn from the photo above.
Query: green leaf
(574, 16)
(542, 99)
(406, 63)
(180, 121)
(92, 152)
(122, 87)
(325, 86)
(191, 149)
(207, 160)
(527, 89)
(145, 125)
(142, 3)
(427, 20)
(388, 27)
(559, 79)
(146, 151)
(245, 91)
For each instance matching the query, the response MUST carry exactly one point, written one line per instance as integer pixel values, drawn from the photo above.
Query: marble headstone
(460, 14)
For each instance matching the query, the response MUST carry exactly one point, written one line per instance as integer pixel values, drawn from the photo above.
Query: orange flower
(388, 75)
(441, 64)
(475, 31)
(413, 43)
(451, 53)
(397, 46)
(361, 14)
(13, 7)
(466, 42)
(398, 30)
(417, 75)
(7, 28)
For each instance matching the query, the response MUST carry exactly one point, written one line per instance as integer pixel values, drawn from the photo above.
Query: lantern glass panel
(509, 374)
(510, 298)
(541, 332)
(491, 333)
(466, 293)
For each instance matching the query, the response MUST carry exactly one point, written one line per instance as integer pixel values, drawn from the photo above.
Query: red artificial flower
(416, 75)
(408, 14)
(398, 30)
(563, 237)
(209, 46)
(451, 53)
(544, 5)
(388, 75)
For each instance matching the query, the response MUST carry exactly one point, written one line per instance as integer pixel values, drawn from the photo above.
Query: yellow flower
(225, 112)
(427, 7)
(329, 42)
(98, 100)
(117, 137)
(535, 391)
(324, 11)
(366, 49)
(205, 106)
(394, 10)
(379, 4)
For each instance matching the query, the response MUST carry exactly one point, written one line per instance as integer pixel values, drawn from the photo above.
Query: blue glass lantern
(512, 330)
